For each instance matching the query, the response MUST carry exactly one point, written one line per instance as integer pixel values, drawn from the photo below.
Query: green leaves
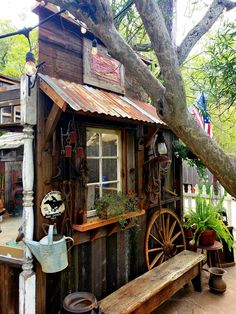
(182, 151)
(213, 70)
(114, 204)
(13, 50)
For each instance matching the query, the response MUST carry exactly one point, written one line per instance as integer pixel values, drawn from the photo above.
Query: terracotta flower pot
(207, 238)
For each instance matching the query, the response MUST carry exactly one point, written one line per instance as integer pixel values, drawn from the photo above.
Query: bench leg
(197, 284)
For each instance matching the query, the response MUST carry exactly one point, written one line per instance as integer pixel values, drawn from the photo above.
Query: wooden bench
(145, 293)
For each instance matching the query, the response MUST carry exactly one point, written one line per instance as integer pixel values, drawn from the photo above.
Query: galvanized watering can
(52, 255)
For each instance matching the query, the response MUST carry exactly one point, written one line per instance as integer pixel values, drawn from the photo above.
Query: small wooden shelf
(98, 223)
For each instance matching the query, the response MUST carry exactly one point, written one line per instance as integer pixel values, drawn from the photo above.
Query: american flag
(202, 116)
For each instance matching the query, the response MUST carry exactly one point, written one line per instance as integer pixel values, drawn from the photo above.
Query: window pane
(109, 169)
(6, 115)
(92, 144)
(109, 187)
(109, 144)
(17, 114)
(93, 195)
(93, 170)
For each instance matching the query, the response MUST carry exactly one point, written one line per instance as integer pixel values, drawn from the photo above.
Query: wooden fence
(190, 175)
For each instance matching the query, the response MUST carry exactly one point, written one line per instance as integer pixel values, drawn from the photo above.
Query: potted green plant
(208, 217)
(115, 204)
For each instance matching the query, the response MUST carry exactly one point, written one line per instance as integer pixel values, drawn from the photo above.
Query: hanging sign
(52, 205)
(101, 70)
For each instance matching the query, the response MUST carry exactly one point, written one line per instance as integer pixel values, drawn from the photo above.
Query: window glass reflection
(109, 145)
(92, 144)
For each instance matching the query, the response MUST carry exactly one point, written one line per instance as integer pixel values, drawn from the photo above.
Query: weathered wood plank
(123, 257)
(137, 239)
(108, 72)
(9, 296)
(98, 223)
(98, 269)
(52, 121)
(85, 267)
(155, 286)
(71, 43)
(10, 94)
(111, 263)
(53, 95)
(130, 162)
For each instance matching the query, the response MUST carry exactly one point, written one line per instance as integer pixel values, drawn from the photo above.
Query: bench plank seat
(147, 292)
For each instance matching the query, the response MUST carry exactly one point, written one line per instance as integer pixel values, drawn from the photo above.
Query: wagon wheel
(164, 238)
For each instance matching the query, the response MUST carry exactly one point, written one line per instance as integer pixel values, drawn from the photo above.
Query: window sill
(95, 223)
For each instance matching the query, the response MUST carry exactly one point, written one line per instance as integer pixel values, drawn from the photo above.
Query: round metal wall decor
(52, 205)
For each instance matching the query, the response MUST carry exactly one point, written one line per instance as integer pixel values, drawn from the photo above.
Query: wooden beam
(10, 102)
(53, 95)
(52, 121)
(95, 234)
(10, 94)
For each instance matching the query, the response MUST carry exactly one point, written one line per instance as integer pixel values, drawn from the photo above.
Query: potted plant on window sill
(206, 219)
(115, 204)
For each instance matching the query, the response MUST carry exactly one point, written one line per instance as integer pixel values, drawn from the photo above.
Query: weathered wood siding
(103, 266)
(61, 47)
(9, 292)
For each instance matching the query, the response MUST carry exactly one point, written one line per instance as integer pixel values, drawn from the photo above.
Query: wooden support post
(27, 277)
(52, 120)
(27, 289)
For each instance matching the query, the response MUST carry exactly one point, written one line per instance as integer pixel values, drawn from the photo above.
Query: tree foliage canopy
(213, 70)
(14, 49)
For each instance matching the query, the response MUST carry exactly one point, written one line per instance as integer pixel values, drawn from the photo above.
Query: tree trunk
(169, 99)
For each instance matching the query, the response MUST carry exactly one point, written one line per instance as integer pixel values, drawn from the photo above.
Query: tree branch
(212, 14)
(142, 47)
(154, 24)
(115, 44)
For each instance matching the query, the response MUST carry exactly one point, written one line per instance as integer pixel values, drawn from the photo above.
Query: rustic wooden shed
(94, 132)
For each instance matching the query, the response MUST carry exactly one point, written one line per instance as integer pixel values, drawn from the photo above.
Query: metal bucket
(81, 302)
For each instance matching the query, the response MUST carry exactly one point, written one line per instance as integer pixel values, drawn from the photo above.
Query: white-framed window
(6, 115)
(10, 114)
(17, 114)
(104, 164)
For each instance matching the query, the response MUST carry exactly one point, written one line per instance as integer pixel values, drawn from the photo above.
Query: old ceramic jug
(216, 283)
(52, 255)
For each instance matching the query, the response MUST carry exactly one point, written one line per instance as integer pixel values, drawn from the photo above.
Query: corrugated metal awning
(11, 140)
(93, 100)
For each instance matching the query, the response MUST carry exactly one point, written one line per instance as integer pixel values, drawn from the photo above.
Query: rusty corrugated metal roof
(93, 100)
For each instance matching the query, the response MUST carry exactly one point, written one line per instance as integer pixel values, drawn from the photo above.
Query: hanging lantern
(161, 146)
(83, 28)
(94, 47)
(30, 67)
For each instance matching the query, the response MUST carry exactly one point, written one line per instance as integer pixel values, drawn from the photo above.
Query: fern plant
(207, 216)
